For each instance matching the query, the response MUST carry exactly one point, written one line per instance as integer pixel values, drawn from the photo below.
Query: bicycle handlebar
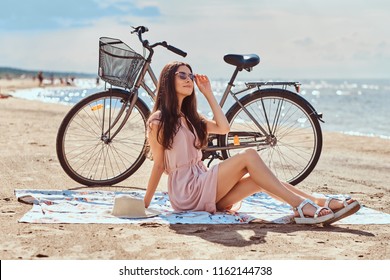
(176, 51)
(142, 29)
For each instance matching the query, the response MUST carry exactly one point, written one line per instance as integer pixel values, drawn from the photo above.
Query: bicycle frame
(147, 70)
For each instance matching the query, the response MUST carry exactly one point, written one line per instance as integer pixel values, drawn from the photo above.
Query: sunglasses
(184, 75)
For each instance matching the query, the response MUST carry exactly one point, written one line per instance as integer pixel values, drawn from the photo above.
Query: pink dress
(191, 186)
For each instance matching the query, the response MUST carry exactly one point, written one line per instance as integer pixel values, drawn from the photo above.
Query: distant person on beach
(40, 78)
(176, 133)
(70, 81)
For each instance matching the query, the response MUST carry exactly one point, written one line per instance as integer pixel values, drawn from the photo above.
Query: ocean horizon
(350, 106)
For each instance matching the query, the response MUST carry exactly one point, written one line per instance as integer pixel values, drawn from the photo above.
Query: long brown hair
(167, 103)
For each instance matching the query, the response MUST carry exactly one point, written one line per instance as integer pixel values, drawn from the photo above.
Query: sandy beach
(358, 166)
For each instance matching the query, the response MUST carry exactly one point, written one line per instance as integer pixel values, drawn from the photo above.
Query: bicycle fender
(129, 93)
(119, 90)
(318, 115)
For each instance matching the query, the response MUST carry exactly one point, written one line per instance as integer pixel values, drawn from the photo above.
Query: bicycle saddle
(242, 60)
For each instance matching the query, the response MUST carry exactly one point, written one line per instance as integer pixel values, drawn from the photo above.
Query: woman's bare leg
(297, 192)
(234, 168)
(232, 188)
(242, 189)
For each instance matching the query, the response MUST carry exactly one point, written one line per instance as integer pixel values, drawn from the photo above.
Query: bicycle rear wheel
(293, 143)
(84, 146)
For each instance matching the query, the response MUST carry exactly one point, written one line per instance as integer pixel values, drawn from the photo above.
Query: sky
(300, 39)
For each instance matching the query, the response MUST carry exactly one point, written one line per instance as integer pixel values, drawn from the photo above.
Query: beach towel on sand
(93, 206)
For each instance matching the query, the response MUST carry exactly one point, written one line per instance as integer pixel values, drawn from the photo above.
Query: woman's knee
(245, 158)
(251, 154)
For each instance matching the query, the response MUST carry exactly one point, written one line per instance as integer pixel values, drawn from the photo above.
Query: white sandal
(302, 219)
(341, 213)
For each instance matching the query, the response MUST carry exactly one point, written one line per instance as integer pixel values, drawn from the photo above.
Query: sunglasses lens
(183, 76)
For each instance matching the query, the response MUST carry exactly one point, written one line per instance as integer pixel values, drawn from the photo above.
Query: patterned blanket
(92, 206)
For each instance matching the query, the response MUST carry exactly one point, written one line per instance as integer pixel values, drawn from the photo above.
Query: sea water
(356, 107)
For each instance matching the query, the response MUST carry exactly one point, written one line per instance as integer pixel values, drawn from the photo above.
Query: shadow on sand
(231, 235)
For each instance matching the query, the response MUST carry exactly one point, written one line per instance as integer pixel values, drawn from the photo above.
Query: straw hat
(126, 206)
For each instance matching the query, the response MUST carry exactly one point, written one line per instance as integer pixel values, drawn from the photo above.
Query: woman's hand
(203, 83)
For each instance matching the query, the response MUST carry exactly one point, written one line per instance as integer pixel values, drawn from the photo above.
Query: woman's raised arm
(219, 124)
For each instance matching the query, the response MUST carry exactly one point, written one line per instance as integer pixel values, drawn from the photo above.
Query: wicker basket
(119, 65)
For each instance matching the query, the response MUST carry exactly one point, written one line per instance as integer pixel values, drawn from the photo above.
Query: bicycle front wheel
(292, 145)
(86, 148)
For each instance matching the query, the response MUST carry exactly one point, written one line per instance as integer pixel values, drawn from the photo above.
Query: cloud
(49, 15)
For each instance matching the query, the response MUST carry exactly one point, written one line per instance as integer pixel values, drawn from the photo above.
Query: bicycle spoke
(291, 143)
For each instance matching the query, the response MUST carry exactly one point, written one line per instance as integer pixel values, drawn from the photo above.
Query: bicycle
(102, 139)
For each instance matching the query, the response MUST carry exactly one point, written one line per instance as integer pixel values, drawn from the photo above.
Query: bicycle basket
(118, 63)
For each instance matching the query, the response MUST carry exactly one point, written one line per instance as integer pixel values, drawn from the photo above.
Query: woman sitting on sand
(176, 133)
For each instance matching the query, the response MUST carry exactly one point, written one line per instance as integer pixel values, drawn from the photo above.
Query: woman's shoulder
(155, 117)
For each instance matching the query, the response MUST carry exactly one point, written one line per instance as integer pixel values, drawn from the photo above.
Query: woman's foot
(310, 213)
(341, 208)
(333, 204)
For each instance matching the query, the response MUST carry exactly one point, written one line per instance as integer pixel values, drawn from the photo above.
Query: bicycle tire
(295, 141)
(81, 149)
